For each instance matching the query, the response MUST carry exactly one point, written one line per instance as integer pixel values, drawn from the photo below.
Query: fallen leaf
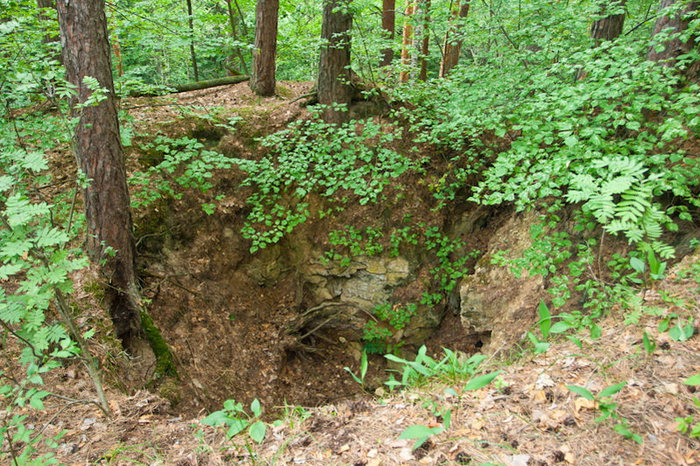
(544, 381)
(343, 449)
(582, 403)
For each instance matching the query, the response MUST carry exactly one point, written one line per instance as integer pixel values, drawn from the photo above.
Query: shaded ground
(528, 417)
(226, 313)
(228, 332)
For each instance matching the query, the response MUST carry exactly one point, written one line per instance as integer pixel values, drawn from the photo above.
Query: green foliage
(235, 419)
(338, 162)
(608, 408)
(452, 368)
(363, 370)
(683, 329)
(37, 259)
(688, 425)
(421, 433)
(448, 272)
(596, 132)
(378, 339)
(352, 242)
(185, 164)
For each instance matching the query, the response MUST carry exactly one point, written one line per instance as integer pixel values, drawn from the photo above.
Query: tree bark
(47, 21)
(609, 27)
(452, 48)
(234, 35)
(388, 25)
(407, 41)
(190, 19)
(674, 47)
(262, 78)
(334, 85)
(98, 149)
(425, 46)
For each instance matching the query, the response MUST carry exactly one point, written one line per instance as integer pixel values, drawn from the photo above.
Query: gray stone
(492, 298)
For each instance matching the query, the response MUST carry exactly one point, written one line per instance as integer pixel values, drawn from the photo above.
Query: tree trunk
(46, 21)
(425, 46)
(334, 85)
(190, 19)
(609, 27)
(239, 53)
(262, 78)
(674, 47)
(452, 48)
(407, 41)
(110, 240)
(388, 25)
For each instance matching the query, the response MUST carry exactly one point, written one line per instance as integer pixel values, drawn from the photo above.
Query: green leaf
(611, 390)
(481, 381)
(637, 264)
(560, 327)
(581, 391)
(34, 161)
(571, 140)
(420, 433)
(539, 346)
(257, 431)
(236, 426)
(216, 418)
(256, 408)
(693, 380)
(649, 344)
(6, 182)
(576, 341)
(8, 270)
(545, 319)
(363, 365)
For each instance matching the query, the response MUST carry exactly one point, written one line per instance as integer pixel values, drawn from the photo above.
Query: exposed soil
(529, 418)
(228, 328)
(229, 331)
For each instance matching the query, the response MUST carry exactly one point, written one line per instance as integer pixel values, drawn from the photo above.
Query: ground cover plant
(263, 215)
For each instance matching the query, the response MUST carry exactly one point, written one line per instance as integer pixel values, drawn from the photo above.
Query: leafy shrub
(312, 156)
(185, 165)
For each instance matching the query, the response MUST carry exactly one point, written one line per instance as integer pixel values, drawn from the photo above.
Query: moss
(284, 91)
(96, 289)
(165, 366)
(170, 390)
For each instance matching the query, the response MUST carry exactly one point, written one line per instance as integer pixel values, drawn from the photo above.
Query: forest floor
(527, 416)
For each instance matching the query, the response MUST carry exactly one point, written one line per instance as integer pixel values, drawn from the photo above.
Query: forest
(349, 232)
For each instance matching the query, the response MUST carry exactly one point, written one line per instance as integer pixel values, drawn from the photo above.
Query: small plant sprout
(236, 419)
(545, 324)
(688, 425)
(363, 370)
(608, 408)
(451, 368)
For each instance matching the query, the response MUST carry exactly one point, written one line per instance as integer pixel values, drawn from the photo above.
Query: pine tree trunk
(388, 25)
(609, 27)
(674, 47)
(190, 19)
(110, 240)
(451, 47)
(334, 85)
(239, 53)
(407, 41)
(425, 46)
(262, 78)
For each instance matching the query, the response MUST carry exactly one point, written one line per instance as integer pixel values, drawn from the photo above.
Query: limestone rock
(492, 298)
